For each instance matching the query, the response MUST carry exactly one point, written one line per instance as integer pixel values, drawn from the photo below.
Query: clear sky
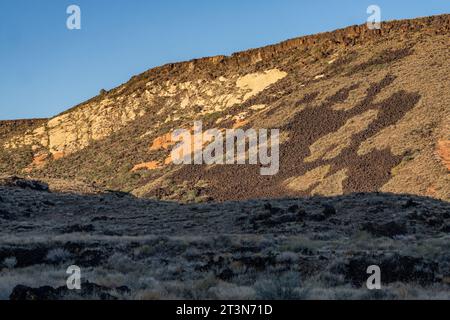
(46, 68)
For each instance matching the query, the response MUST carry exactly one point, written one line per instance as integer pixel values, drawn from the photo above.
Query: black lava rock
(389, 229)
(88, 290)
(329, 210)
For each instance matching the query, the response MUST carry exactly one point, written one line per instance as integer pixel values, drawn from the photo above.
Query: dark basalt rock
(389, 229)
(226, 274)
(91, 258)
(118, 194)
(410, 203)
(271, 209)
(78, 228)
(5, 214)
(257, 262)
(88, 290)
(25, 184)
(25, 257)
(318, 217)
(394, 268)
(21, 292)
(329, 210)
(286, 218)
(446, 228)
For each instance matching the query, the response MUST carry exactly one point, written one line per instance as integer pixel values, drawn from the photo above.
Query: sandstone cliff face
(358, 110)
(75, 130)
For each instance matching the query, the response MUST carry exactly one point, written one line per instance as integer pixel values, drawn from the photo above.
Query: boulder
(88, 291)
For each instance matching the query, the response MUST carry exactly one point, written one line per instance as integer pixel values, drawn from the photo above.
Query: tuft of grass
(10, 262)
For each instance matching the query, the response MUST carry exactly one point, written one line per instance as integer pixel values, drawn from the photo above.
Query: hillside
(358, 111)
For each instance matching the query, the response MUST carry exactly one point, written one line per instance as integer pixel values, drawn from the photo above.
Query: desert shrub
(227, 291)
(301, 244)
(58, 255)
(10, 262)
(121, 262)
(287, 257)
(223, 241)
(377, 295)
(197, 289)
(192, 253)
(150, 294)
(344, 294)
(330, 279)
(286, 287)
(144, 251)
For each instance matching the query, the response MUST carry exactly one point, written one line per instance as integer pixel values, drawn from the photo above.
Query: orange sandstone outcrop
(152, 165)
(58, 155)
(38, 162)
(443, 150)
(162, 142)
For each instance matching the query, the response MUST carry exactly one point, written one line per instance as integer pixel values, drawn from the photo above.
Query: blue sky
(46, 68)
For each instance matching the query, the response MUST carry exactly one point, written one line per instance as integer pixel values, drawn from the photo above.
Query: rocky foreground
(131, 248)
